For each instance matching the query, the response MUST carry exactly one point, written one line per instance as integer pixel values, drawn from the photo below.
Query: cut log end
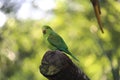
(56, 65)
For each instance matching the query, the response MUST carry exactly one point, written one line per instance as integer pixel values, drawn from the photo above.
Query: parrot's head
(46, 29)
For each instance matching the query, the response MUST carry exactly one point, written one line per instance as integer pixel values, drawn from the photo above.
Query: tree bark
(56, 65)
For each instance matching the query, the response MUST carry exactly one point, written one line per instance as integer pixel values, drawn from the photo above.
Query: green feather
(55, 41)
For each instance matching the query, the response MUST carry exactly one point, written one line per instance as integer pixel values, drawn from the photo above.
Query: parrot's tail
(71, 55)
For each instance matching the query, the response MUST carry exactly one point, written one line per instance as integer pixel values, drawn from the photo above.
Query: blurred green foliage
(22, 46)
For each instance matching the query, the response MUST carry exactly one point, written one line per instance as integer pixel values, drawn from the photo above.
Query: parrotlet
(55, 41)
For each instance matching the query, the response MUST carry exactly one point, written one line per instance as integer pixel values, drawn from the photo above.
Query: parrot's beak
(44, 31)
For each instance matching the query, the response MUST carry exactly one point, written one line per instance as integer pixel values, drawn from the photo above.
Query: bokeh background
(22, 46)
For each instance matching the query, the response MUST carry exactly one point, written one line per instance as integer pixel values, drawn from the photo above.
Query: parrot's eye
(44, 31)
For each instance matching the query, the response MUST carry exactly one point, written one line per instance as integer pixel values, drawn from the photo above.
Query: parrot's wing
(56, 40)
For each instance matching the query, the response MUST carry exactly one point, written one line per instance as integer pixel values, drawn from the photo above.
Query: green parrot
(55, 42)
(97, 10)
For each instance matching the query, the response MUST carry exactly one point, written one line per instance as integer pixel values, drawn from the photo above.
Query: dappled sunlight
(3, 19)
